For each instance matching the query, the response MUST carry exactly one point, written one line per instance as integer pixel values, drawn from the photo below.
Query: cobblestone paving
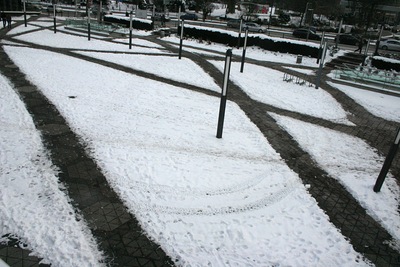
(118, 232)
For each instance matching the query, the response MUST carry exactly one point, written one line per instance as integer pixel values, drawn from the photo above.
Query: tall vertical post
(88, 24)
(100, 15)
(270, 14)
(181, 41)
(130, 30)
(340, 26)
(240, 32)
(378, 42)
(365, 53)
(320, 47)
(244, 49)
(388, 162)
(309, 23)
(224, 92)
(54, 18)
(338, 34)
(304, 14)
(76, 8)
(26, 24)
(179, 14)
(321, 64)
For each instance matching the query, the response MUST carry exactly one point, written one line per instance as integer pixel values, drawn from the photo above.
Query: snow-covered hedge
(269, 43)
(385, 63)
(140, 24)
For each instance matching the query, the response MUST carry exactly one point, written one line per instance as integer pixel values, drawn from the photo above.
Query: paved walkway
(118, 232)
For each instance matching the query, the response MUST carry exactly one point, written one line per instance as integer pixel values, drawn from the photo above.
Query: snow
(355, 164)
(62, 40)
(19, 30)
(391, 60)
(33, 205)
(205, 201)
(167, 67)
(269, 88)
(385, 106)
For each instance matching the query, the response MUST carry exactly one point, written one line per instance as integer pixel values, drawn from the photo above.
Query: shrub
(140, 24)
(230, 38)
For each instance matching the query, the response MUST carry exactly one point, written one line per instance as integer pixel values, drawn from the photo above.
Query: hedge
(140, 24)
(385, 64)
(272, 44)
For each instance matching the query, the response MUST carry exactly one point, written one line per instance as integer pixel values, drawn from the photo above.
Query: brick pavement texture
(119, 234)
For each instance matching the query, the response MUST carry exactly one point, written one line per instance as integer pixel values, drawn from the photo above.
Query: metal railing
(95, 26)
(368, 75)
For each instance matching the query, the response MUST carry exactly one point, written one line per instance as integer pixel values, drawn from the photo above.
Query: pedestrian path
(118, 232)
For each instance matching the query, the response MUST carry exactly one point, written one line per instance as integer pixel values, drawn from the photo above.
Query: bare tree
(231, 6)
(366, 11)
(205, 6)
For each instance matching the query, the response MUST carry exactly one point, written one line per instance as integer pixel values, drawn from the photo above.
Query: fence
(367, 75)
(95, 26)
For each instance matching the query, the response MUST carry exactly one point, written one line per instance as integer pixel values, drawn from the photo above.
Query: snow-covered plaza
(133, 132)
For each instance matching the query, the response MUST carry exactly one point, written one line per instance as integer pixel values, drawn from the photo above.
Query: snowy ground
(206, 201)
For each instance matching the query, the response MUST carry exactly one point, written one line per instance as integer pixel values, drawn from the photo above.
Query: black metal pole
(224, 92)
(26, 24)
(320, 48)
(240, 32)
(321, 64)
(181, 41)
(338, 34)
(378, 42)
(304, 14)
(130, 39)
(88, 25)
(130, 30)
(270, 14)
(54, 18)
(387, 163)
(365, 53)
(244, 50)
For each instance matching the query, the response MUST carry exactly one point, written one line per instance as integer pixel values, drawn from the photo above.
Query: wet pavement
(118, 232)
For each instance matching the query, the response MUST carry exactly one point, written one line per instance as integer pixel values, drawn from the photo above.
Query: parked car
(390, 44)
(302, 33)
(233, 23)
(189, 16)
(253, 27)
(348, 39)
